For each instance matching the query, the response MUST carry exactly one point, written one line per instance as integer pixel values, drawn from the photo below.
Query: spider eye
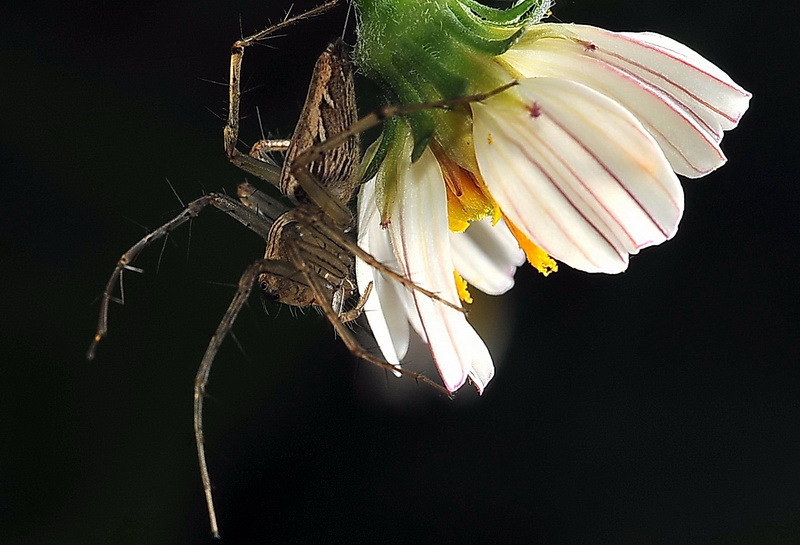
(267, 293)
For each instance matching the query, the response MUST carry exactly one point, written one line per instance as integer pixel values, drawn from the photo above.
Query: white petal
(682, 99)
(386, 306)
(576, 172)
(421, 242)
(487, 256)
(482, 369)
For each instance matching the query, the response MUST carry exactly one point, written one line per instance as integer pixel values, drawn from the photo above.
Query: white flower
(579, 159)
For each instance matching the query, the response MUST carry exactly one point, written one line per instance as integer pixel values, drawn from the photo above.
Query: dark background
(658, 406)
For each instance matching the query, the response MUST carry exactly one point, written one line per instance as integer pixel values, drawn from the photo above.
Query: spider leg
(312, 154)
(259, 223)
(352, 247)
(245, 288)
(353, 314)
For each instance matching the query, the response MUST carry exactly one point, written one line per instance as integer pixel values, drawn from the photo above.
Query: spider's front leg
(251, 163)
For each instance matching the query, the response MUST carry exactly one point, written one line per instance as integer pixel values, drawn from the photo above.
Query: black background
(658, 406)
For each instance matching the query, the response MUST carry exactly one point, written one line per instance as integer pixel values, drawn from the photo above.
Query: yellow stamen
(536, 256)
(461, 286)
(467, 198)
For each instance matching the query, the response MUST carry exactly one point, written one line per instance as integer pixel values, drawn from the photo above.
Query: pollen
(461, 286)
(537, 257)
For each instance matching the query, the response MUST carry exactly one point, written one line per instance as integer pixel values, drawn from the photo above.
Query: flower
(577, 161)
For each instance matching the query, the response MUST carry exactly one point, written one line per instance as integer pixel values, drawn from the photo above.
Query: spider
(309, 256)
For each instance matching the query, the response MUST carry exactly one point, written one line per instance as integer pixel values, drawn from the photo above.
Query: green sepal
(376, 153)
(523, 12)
